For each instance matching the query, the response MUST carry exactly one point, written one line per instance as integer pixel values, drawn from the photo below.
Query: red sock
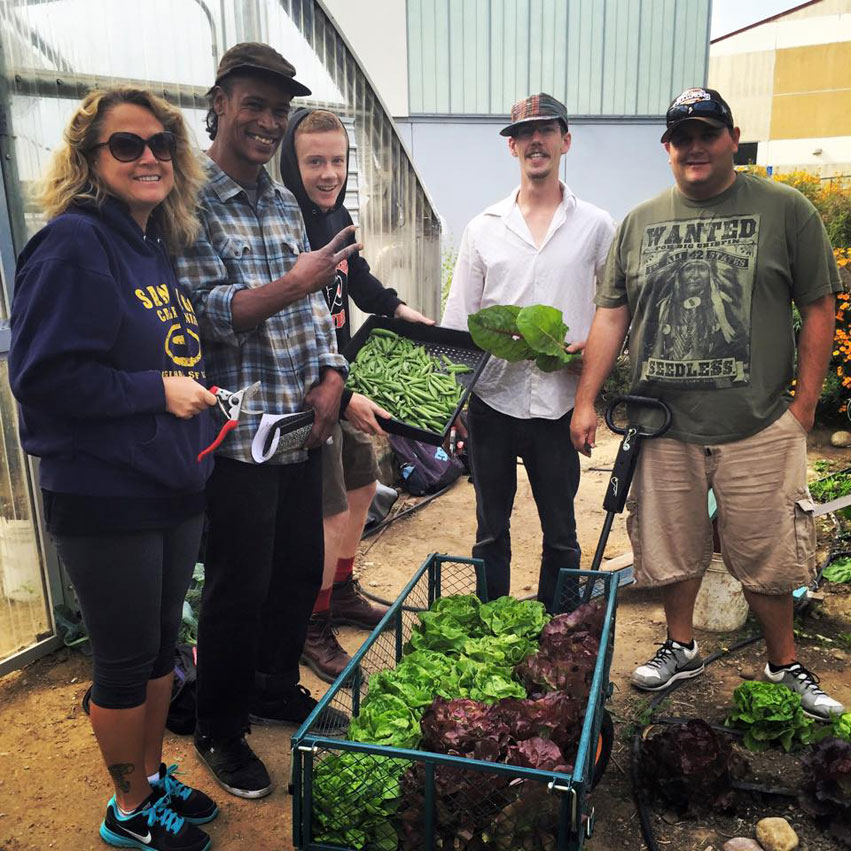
(323, 601)
(345, 566)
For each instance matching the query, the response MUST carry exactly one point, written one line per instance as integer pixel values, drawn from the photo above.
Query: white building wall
(377, 31)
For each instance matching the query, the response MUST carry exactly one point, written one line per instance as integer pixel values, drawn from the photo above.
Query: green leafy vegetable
(770, 713)
(355, 797)
(386, 719)
(536, 332)
(494, 329)
(509, 616)
(839, 570)
(840, 728)
(544, 330)
(832, 487)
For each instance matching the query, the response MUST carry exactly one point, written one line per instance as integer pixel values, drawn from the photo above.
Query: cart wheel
(604, 747)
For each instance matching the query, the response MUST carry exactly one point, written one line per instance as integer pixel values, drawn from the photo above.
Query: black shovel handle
(640, 401)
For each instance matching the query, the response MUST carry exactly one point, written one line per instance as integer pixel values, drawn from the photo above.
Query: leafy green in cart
(415, 387)
(513, 333)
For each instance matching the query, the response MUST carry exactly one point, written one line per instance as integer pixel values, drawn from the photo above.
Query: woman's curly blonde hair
(71, 177)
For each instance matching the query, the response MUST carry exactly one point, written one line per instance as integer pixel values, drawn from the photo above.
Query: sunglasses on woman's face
(126, 147)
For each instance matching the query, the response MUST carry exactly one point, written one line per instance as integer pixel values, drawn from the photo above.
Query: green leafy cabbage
(770, 713)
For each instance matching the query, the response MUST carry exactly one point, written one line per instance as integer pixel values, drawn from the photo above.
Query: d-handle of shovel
(627, 456)
(624, 467)
(638, 402)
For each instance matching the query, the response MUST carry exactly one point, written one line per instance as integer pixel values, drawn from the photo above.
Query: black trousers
(263, 570)
(496, 441)
(131, 587)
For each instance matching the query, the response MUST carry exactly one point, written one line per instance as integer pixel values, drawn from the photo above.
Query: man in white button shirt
(540, 245)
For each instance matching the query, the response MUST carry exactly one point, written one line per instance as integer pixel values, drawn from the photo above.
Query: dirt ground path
(53, 788)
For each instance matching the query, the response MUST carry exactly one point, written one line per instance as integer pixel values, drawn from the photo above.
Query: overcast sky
(731, 15)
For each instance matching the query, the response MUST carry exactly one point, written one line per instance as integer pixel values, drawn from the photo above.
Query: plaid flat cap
(540, 107)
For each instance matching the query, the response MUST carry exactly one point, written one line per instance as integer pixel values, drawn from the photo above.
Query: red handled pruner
(232, 407)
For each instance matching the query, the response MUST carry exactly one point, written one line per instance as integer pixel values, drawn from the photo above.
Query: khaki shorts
(765, 519)
(348, 463)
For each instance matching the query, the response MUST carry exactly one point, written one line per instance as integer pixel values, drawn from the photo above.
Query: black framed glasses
(700, 109)
(126, 147)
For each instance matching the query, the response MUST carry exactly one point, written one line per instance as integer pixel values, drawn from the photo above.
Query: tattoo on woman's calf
(119, 772)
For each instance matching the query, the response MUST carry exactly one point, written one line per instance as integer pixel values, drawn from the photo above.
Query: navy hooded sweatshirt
(353, 276)
(98, 319)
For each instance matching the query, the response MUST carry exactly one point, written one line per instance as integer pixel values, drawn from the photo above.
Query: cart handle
(640, 401)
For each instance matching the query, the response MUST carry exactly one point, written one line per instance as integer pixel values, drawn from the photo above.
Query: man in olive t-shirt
(703, 278)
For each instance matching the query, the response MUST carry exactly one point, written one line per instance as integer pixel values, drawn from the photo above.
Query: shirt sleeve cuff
(333, 360)
(609, 300)
(219, 315)
(147, 393)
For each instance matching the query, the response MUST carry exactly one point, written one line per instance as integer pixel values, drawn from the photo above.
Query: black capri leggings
(131, 587)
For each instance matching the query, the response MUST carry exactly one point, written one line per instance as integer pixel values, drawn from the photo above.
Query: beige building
(788, 81)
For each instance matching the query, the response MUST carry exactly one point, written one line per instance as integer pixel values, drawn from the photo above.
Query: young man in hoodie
(315, 167)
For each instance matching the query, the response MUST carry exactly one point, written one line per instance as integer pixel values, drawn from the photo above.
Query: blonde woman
(106, 365)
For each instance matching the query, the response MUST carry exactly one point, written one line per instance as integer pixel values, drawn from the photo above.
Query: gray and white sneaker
(672, 662)
(814, 701)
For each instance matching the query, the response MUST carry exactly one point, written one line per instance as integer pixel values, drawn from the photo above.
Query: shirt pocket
(236, 255)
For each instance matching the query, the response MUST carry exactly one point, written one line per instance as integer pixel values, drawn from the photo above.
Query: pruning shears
(231, 405)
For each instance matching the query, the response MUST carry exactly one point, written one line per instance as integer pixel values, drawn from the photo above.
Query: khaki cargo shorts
(348, 463)
(765, 514)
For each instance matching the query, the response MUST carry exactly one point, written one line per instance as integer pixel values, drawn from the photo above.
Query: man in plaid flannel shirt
(256, 289)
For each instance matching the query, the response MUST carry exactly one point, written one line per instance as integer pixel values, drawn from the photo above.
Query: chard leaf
(551, 363)
(544, 330)
(494, 329)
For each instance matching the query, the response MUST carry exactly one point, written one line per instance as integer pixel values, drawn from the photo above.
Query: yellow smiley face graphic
(176, 340)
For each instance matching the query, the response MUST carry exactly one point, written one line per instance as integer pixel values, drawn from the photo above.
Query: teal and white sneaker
(672, 662)
(190, 804)
(153, 827)
(814, 701)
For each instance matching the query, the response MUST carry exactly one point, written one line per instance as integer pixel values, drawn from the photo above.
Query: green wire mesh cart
(421, 800)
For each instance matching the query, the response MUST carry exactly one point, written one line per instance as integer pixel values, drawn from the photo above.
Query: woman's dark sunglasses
(126, 147)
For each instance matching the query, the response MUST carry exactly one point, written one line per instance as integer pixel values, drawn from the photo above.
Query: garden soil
(53, 788)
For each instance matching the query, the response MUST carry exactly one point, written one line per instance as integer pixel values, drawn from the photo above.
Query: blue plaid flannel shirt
(239, 248)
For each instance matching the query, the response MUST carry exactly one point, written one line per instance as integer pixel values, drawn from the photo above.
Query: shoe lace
(808, 680)
(665, 652)
(160, 812)
(173, 786)
(327, 633)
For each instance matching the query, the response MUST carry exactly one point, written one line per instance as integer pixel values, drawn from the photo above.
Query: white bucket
(720, 604)
(21, 569)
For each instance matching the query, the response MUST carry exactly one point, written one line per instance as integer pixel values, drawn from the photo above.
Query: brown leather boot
(322, 652)
(349, 606)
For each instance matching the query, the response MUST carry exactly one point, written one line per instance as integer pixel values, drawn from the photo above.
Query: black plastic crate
(458, 346)
(415, 783)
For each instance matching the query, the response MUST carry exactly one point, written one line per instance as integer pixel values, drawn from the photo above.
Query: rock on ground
(742, 843)
(776, 834)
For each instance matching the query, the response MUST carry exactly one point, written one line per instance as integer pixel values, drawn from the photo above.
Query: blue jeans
(552, 464)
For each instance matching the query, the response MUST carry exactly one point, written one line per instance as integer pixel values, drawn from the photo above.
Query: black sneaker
(235, 767)
(153, 827)
(191, 804)
(294, 707)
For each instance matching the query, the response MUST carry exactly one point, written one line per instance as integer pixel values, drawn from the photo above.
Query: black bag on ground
(181, 710)
(424, 468)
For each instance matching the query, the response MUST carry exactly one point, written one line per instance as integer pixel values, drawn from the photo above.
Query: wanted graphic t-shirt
(709, 286)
